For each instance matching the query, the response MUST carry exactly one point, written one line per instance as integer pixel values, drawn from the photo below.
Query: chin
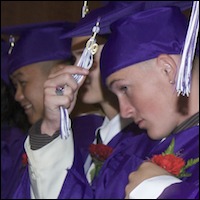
(90, 99)
(33, 120)
(153, 135)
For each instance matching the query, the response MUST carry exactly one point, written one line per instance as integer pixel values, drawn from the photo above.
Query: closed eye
(22, 83)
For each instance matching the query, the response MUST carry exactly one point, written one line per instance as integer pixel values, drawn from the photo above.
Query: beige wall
(24, 12)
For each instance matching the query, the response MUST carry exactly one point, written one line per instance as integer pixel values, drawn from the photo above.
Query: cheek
(97, 87)
(148, 105)
(150, 97)
(96, 94)
(95, 82)
(92, 93)
(34, 92)
(95, 74)
(158, 116)
(151, 103)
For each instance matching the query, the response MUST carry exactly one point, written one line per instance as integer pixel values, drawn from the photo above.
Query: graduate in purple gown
(76, 185)
(112, 130)
(14, 127)
(141, 64)
(13, 134)
(28, 69)
(130, 146)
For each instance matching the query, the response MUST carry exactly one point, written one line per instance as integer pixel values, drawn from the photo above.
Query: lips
(27, 107)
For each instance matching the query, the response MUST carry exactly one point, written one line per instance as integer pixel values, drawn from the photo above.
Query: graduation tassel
(85, 9)
(184, 75)
(65, 123)
(12, 44)
(91, 48)
(85, 61)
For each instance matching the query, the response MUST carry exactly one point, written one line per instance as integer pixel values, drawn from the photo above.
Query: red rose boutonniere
(99, 153)
(173, 163)
(24, 159)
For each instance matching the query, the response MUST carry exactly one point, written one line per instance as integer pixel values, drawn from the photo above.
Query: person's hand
(146, 170)
(59, 76)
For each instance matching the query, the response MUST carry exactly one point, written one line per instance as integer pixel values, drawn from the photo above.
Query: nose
(19, 96)
(126, 109)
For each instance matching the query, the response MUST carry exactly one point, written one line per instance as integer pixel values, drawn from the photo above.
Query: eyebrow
(112, 82)
(18, 74)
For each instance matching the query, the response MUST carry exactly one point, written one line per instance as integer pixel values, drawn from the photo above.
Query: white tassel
(65, 123)
(91, 48)
(85, 61)
(184, 74)
(12, 44)
(85, 9)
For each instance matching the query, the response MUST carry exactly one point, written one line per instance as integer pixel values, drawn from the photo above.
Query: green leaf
(184, 174)
(170, 149)
(92, 173)
(191, 162)
(95, 171)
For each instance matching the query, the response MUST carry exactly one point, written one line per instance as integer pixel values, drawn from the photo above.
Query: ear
(168, 66)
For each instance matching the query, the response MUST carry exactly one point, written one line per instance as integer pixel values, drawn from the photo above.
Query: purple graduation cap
(108, 13)
(114, 10)
(143, 36)
(36, 43)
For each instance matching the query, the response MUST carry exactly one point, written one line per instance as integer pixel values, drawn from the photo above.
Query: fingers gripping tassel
(85, 61)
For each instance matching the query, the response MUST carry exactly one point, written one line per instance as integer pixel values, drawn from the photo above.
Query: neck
(191, 103)
(194, 94)
(109, 110)
(194, 98)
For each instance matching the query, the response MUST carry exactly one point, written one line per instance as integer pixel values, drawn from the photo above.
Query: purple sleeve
(183, 190)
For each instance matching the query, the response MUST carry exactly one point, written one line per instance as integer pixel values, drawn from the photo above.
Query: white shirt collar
(110, 128)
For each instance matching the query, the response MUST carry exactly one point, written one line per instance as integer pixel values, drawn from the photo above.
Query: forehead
(117, 76)
(138, 70)
(127, 74)
(27, 70)
(79, 42)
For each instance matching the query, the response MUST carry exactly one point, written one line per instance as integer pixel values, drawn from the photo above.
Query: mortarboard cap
(143, 36)
(108, 13)
(183, 5)
(115, 10)
(38, 42)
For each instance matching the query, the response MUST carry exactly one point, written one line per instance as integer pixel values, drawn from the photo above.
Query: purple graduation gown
(84, 128)
(111, 183)
(130, 141)
(129, 151)
(12, 148)
(187, 143)
(84, 133)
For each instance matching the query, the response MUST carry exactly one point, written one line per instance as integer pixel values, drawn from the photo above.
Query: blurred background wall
(24, 12)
